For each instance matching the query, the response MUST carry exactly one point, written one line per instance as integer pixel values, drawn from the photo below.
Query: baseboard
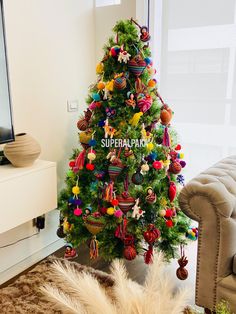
(30, 260)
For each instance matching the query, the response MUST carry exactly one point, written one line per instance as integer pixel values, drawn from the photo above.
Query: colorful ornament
(137, 177)
(172, 191)
(137, 65)
(166, 115)
(94, 223)
(118, 213)
(115, 168)
(114, 202)
(192, 234)
(85, 137)
(135, 119)
(137, 211)
(100, 85)
(162, 213)
(131, 101)
(157, 165)
(90, 167)
(99, 68)
(129, 252)
(70, 252)
(144, 36)
(150, 236)
(145, 167)
(152, 83)
(178, 147)
(144, 103)
(151, 196)
(169, 223)
(120, 83)
(110, 211)
(182, 163)
(75, 190)
(110, 112)
(78, 211)
(96, 96)
(182, 272)
(91, 156)
(175, 167)
(114, 51)
(126, 202)
(150, 147)
(166, 138)
(180, 179)
(123, 56)
(83, 123)
(109, 130)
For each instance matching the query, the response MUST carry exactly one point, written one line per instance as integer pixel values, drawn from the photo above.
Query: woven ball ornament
(114, 171)
(120, 83)
(126, 202)
(82, 124)
(166, 115)
(137, 178)
(136, 66)
(129, 253)
(175, 167)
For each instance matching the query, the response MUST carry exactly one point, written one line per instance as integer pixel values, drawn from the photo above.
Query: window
(103, 3)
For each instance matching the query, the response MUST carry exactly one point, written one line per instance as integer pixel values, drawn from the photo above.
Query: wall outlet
(72, 105)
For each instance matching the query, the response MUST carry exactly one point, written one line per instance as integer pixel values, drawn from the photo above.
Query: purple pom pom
(78, 202)
(183, 163)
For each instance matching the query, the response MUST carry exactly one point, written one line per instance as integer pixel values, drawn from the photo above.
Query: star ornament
(124, 56)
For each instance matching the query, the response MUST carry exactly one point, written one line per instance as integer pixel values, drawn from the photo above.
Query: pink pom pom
(118, 213)
(78, 212)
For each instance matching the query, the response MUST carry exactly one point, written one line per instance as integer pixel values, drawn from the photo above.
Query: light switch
(72, 105)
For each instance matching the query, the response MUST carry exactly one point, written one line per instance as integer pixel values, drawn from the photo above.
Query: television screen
(6, 126)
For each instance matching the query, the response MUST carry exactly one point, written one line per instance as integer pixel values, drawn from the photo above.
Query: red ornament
(169, 223)
(130, 252)
(103, 210)
(178, 147)
(126, 202)
(175, 167)
(182, 272)
(172, 191)
(90, 167)
(114, 202)
(157, 165)
(152, 234)
(72, 163)
(98, 104)
(169, 213)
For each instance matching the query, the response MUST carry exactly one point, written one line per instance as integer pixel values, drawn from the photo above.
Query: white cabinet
(26, 193)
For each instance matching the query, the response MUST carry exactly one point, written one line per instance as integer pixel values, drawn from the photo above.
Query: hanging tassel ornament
(108, 192)
(79, 161)
(182, 272)
(150, 235)
(93, 248)
(121, 230)
(166, 138)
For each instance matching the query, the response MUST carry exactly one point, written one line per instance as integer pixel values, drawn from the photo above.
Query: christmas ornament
(120, 83)
(114, 51)
(151, 196)
(178, 147)
(182, 272)
(137, 211)
(152, 83)
(128, 153)
(162, 212)
(137, 177)
(136, 65)
(135, 119)
(157, 165)
(110, 112)
(144, 34)
(192, 234)
(131, 101)
(172, 191)
(123, 56)
(150, 236)
(75, 190)
(182, 163)
(129, 251)
(109, 130)
(144, 103)
(118, 213)
(169, 223)
(60, 231)
(180, 179)
(90, 167)
(166, 115)
(145, 167)
(83, 123)
(166, 138)
(100, 85)
(110, 211)
(85, 137)
(78, 212)
(115, 168)
(96, 96)
(99, 68)
(175, 167)
(70, 252)
(126, 202)
(150, 147)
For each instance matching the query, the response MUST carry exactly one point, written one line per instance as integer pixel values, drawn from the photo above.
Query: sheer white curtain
(194, 48)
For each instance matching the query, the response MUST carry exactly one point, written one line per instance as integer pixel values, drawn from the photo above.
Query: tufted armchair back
(210, 199)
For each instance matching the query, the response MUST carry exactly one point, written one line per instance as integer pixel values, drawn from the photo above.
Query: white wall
(51, 60)
(105, 19)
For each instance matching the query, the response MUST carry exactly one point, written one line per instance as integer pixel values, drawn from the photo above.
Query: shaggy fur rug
(23, 295)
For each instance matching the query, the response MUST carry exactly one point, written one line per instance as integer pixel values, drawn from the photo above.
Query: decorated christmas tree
(121, 195)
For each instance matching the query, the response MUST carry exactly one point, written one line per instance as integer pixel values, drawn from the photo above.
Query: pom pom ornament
(118, 213)
(75, 190)
(157, 165)
(169, 223)
(90, 167)
(162, 213)
(182, 163)
(110, 211)
(96, 97)
(100, 85)
(150, 147)
(145, 167)
(78, 212)
(92, 142)
(91, 156)
(114, 202)
(114, 51)
(70, 173)
(72, 163)
(152, 83)
(178, 147)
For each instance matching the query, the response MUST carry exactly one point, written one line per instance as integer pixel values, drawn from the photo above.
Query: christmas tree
(121, 195)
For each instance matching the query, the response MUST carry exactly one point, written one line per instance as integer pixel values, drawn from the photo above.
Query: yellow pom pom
(166, 163)
(100, 85)
(99, 68)
(75, 190)
(192, 234)
(150, 146)
(110, 210)
(91, 156)
(181, 155)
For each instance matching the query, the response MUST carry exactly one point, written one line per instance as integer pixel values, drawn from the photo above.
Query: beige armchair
(210, 199)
